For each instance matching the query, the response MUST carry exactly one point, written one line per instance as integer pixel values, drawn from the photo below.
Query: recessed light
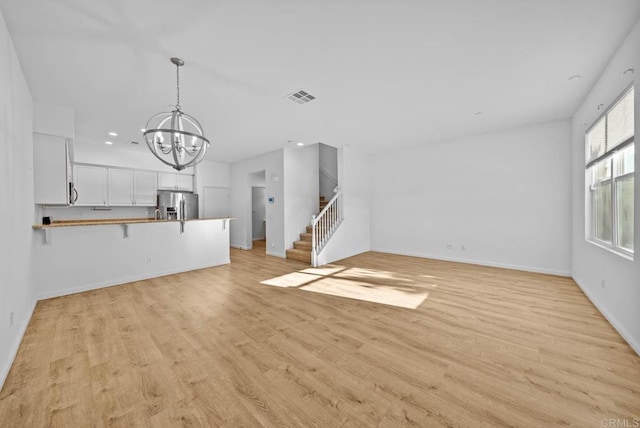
(299, 144)
(113, 134)
(108, 142)
(143, 130)
(574, 77)
(628, 71)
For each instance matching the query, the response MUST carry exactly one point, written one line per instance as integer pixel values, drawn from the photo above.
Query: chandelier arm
(195, 160)
(162, 160)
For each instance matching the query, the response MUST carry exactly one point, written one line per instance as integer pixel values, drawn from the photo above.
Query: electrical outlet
(149, 260)
(463, 248)
(602, 284)
(448, 246)
(11, 319)
(273, 245)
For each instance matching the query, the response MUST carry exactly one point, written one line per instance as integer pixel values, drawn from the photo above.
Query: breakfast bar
(79, 255)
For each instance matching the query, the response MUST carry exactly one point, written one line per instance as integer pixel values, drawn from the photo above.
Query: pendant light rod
(179, 63)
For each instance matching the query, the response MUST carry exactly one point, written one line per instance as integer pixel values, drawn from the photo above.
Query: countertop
(109, 221)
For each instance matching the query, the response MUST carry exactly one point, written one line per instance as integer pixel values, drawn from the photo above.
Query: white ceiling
(386, 74)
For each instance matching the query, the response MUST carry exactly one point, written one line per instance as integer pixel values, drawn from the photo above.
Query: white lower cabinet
(91, 184)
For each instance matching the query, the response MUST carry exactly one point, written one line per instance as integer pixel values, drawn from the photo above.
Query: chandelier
(175, 137)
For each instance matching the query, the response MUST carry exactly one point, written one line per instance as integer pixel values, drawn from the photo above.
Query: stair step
(321, 198)
(302, 245)
(305, 237)
(299, 255)
(309, 229)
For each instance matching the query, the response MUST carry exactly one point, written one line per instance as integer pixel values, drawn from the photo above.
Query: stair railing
(325, 224)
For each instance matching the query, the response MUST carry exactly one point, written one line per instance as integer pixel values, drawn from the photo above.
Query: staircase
(301, 250)
(319, 232)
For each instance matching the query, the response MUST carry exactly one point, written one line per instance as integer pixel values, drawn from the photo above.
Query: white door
(215, 203)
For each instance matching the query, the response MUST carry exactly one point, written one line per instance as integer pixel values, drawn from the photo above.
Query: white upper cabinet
(172, 181)
(51, 169)
(99, 185)
(184, 182)
(166, 180)
(91, 184)
(145, 188)
(121, 187)
(129, 187)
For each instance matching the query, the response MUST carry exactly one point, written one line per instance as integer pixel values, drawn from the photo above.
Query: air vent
(301, 97)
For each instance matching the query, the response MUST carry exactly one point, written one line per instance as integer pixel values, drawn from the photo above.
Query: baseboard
(478, 262)
(276, 254)
(13, 350)
(240, 247)
(612, 320)
(120, 281)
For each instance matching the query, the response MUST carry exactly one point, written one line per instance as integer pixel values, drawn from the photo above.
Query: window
(610, 152)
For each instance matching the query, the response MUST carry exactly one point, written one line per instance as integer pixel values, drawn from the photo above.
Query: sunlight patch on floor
(294, 279)
(370, 285)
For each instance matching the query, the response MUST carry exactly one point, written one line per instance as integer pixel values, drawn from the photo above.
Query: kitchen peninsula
(74, 256)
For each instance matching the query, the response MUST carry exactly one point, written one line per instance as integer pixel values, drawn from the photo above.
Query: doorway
(258, 223)
(258, 213)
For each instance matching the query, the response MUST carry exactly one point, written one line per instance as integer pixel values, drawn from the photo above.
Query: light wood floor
(214, 347)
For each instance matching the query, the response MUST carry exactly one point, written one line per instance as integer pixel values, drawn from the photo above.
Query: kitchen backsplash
(76, 213)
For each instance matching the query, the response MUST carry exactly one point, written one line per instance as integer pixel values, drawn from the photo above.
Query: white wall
(353, 235)
(54, 120)
(151, 250)
(211, 174)
(301, 190)
(17, 294)
(500, 199)
(619, 298)
(273, 165)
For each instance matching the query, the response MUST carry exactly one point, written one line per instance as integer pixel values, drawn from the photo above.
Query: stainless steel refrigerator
(177, 205)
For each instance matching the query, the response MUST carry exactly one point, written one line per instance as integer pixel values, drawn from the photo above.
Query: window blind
(613, 131)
